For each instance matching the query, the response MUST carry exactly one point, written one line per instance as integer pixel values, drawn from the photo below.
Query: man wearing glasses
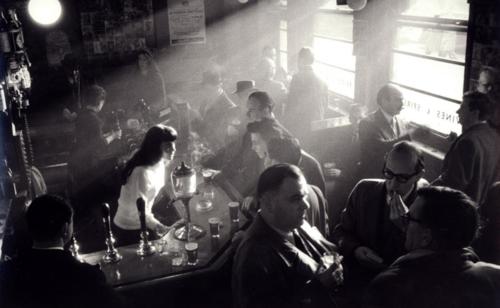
(370, 233)
(438, 270)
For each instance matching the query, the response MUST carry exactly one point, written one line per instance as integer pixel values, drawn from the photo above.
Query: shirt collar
(387, 116)
(282, 233)
(479, 123)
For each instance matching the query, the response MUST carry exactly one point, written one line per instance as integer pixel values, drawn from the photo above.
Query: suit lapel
(384, 126)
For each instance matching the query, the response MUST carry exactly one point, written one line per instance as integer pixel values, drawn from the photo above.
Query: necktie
(394, 127)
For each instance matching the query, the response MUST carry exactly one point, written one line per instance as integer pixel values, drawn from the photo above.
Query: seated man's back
(53, 278)
(47, 275)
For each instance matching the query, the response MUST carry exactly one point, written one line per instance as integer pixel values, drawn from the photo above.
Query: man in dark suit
(307, 99)
(380, 130)
(86, 164)
(472, 164)
(91, 167)
(48, 275)
(282, 261)
(438, 270)
(287, 150)
(370, 233)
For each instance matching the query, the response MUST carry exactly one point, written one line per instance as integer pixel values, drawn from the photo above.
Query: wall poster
(116, 27)
(186, 20)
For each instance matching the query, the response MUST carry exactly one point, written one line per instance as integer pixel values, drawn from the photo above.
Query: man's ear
(65, 228)
(66, 232)
(266, 202)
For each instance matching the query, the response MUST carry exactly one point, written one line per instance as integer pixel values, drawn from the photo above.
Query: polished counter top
(134, 269)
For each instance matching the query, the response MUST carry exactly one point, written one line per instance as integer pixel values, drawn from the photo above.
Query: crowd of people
(401, 240)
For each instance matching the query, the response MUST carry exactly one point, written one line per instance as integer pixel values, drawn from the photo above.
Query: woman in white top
(144, 176)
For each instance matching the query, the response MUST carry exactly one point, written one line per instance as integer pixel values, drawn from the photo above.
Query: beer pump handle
(105, 216)
(141, 207)
(111, 255)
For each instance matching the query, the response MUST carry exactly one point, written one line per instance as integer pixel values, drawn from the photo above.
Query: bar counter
(136, 271)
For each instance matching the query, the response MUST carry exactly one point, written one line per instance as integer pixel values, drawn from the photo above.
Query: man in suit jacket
(380, 130)
(438, 271)
(307, 99)
(472, 163)
(370, 233)
(278, 149)
(86, 164)
(47, 275)
(281, 259)
(287, 150)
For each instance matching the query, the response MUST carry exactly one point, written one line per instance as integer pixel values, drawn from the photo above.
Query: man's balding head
(404, 166)
(390, 99)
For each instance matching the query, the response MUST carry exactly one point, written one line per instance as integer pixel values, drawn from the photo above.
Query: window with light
(428, 62)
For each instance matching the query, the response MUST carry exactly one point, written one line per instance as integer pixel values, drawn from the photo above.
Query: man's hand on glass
(161, 229)
(331, 272)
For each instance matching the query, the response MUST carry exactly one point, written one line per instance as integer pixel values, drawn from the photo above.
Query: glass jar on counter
(206, 192)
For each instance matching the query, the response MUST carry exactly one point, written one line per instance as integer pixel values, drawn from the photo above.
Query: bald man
(370, 233)
(380, 130)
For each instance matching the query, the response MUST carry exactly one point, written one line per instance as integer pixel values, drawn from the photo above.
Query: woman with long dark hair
(143, 177)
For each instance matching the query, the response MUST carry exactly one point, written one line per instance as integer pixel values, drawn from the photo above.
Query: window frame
(433, 23)
(337, 11)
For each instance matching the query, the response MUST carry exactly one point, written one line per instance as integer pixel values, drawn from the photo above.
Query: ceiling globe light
(357, 5)
(45, 12)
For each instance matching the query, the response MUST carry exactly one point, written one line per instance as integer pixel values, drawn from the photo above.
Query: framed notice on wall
(186, 21)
